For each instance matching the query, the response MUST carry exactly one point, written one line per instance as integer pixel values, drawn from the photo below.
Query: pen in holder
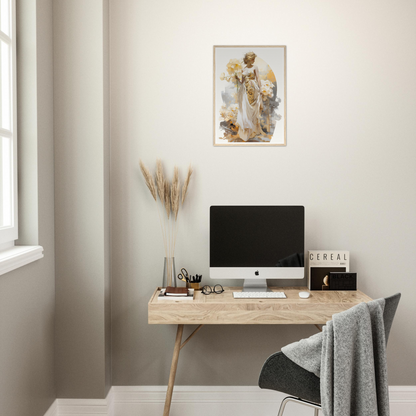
(192, 282)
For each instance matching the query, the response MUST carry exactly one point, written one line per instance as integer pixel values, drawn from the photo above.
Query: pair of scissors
(184, 275)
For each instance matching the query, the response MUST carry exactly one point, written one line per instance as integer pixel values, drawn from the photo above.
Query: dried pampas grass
(174, 193)
(186, 183)
(170, 198)
(160, 180)
(167, 197)
(148, 178)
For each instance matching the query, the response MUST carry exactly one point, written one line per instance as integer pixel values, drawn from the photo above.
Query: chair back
(390, 308)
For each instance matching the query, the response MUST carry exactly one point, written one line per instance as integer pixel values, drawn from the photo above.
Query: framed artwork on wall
(249, 95)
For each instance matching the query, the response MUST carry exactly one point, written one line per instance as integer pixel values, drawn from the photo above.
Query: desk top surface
(218, 309)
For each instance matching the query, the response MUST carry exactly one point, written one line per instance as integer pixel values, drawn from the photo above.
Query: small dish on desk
(304, 295)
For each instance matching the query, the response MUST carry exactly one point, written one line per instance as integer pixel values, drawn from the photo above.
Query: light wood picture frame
(249, 96)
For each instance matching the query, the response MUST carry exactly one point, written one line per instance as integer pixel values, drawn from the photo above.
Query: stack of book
(176, 293)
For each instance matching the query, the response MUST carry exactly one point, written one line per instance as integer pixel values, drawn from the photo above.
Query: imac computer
(256, 242)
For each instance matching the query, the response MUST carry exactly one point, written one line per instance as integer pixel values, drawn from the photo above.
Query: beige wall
(82, 198)
(27, 295)
(349, 160)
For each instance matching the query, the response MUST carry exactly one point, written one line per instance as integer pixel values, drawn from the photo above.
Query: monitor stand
(255, 285)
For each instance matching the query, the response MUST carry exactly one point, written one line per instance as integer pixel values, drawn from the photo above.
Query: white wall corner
(53, 410)
(81, 407)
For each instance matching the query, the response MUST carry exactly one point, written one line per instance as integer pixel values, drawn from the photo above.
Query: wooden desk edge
(259, 313)
(152, 298)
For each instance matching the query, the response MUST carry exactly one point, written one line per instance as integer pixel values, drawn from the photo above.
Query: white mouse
(304, 295)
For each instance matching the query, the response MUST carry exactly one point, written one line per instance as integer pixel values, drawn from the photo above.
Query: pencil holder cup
(195, 286)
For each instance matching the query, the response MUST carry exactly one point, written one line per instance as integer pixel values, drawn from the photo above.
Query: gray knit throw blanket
(349, 356)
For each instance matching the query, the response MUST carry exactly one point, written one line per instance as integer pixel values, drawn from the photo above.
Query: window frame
(9, 233)
(14, 256)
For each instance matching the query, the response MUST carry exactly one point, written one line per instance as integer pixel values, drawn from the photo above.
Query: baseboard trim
(83, 407)
(194, 394)
(203, 400)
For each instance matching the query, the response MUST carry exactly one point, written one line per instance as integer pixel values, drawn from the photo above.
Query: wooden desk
(223, 309)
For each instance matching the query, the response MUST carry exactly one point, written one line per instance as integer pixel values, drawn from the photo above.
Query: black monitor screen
(257, 236)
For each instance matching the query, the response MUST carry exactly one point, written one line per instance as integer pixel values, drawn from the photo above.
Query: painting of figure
(249, 95)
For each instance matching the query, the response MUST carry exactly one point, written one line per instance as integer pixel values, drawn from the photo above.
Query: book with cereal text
(322, 262)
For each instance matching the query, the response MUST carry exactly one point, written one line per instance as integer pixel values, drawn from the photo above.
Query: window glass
(8, 192)
(5, 16)
(6, 182)
(5, 86)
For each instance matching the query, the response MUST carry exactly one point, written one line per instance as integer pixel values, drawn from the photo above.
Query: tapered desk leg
(173, 368)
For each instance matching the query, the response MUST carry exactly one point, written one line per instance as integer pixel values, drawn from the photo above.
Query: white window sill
(18, 256)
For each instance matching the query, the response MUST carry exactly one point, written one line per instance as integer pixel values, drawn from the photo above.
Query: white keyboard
(259, 295)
